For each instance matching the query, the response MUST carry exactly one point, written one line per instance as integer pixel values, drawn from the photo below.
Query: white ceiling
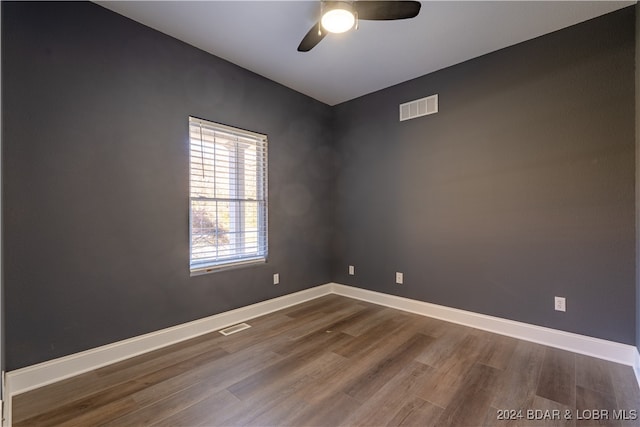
(262, 36)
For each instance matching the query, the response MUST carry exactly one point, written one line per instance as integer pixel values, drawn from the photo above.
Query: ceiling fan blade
(311, 39)
(386, 10)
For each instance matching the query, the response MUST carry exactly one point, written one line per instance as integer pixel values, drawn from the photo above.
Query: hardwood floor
(336, 361)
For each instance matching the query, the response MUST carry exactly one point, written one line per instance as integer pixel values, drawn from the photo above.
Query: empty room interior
(233, 213)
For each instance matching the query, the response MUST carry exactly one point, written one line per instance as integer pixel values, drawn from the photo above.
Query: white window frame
(230, 166)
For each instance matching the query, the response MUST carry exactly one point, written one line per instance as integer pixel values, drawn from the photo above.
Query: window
(228, 196)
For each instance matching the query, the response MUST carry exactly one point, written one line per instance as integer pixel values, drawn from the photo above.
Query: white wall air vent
(419, 107)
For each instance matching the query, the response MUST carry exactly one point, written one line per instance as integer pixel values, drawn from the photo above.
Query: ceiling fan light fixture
(339, 18)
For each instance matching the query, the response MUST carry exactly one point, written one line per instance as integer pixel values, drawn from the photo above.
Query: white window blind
(228, 196)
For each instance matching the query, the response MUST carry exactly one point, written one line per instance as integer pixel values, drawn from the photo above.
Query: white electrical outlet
(352, 270)
(399, 278)
(560, 304)
(276, 278)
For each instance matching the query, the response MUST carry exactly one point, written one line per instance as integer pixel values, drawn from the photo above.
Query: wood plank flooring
(335, 361)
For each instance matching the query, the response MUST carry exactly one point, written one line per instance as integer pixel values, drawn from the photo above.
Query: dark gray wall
(637, 177)
(2, 344)
(95, 166)
(521, 188)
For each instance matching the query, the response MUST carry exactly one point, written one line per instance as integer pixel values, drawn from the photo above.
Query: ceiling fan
(341, 16)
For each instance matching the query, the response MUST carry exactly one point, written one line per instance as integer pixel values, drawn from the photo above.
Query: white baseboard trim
(636, 366)
(35, 376)
(602, 349)
(32, 377)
